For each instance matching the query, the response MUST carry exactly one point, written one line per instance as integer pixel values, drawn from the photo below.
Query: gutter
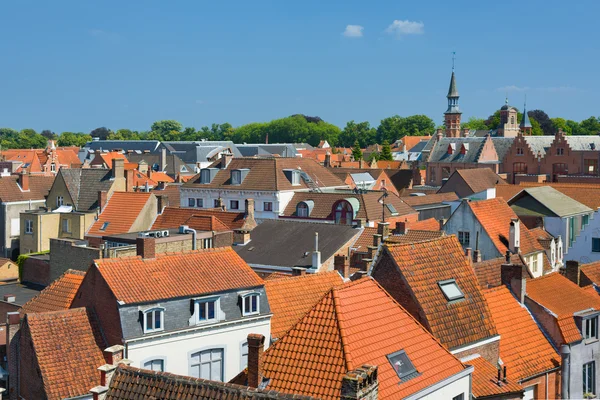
(451, 379)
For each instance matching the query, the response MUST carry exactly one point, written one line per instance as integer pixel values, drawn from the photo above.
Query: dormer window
(450, 149)
(154, 320)
(303, 208)
(451, 290)
(590, 328)
(205, 176)
(236, 177)
(250, 304)
(293, 176)
(464, 148)
(402, 365)
(206, 310)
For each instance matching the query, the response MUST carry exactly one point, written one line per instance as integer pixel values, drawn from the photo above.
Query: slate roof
(198, 151)
(39, 186)
(563, 298)
(68, 347)
(558, 203)
(502, 146)
(415, 235)
(429, 199)
(120, 213)
(439, 152)
(172, 167)
(370, 209)
(489, 272)
(141, 145)
(485, 381)
(58, 295)
(23, 292)
(583, 142)
(174, 217)
(523, 346)
(193, 273)
(539, 144)
(129, 383)
(285, 243)
(477, 179)
(585, 193)
(423, 265)
(84, 184)
(267, 174)
(353, 325)
(292, 297)
(495, 216)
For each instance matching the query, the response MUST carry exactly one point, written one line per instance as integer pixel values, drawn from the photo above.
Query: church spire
(452, 114)
(525, 122)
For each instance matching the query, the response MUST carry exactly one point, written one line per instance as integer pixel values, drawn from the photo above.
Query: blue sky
(77, 65)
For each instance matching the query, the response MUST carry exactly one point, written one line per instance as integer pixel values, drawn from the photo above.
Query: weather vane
(453, 58)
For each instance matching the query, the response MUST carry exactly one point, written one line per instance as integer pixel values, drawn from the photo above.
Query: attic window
(236, 177)
(104, 226)
(402, 365)
(451, 290)
(392, 209)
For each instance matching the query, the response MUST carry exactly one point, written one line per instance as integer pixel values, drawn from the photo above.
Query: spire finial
(525, 103)
(453, 58)
(506, 99)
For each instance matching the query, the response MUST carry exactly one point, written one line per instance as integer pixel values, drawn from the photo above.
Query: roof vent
(10, 298)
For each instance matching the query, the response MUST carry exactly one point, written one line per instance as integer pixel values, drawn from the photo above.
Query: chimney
(572, 271)
(102, 199)
(442, 223)
(401, 228)
(162, 201)
(145, 247)
(256, 345)
(376, 240)
(316, 256)
(342, 265)
(514, 236)
(129, 180)
(465, 132)
(10, 298)
(163, 159)
(249, 209)
(225, 160)
(220, 204)
(118, 168)
(267, 138)
(383, 229)
(360, 384)
(477, 256)
(24, 180)
(114, 354)
(515, 277)
(298, 271)
(328, 160)
(469, 254)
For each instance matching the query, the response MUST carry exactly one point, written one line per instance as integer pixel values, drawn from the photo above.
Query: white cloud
(400, 28)
(512, 88)
(353, 31)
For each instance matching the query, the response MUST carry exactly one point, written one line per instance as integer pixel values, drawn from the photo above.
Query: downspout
(546, 385)
(565, 352)
(187, 229)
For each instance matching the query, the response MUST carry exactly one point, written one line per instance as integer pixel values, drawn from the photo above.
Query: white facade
(582, 249)
(177, 349)
(450, 388)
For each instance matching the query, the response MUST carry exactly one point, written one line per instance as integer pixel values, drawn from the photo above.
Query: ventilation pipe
(316, 257)
(187, 229)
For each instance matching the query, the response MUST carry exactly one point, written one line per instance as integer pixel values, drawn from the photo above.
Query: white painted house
(271, 182)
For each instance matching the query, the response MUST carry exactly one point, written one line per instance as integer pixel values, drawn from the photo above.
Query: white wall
(176, 348)
(462, 385)
(582, 246)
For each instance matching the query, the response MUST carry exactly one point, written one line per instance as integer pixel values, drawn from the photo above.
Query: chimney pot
(256, 345)
(361, 383)
(113, 354)
(469, 253)
(477, 256)
(383, 229)
(298, 271)
(342, 265)
(162, 201)
(514, 239)
(9, 298)
(572, 271)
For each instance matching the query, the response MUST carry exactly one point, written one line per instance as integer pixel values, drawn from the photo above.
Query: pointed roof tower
(452, 94)
(452, 91)
(525, 123)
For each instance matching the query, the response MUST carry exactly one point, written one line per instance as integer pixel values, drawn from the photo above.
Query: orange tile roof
(423, 265)
(507, 192)
(206, 223)
(523, 346)
(159, 176)
(480, 179)
(39, 187)
(352, 325)
(489, 272)
(68, 346)
(290, 298)
(193, 273)
(592, 271)
(485, 380)
(429, 224)
(107, 158)
(365, 239)
(414, 236)
(121, 211)
(433, 198)
(410, 141)
(495, 216)
(173, 217)
(390, 164)
(563, 298)
(140, 180)
(58, 295)
(541, 233)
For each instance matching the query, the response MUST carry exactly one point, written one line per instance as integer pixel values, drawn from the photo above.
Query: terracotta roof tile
(353, 325)
(136, 280)
(292, 297)
(507, 192)
(120, 213)
(365, 239)
(592, 271)
(495, 216)
(107, 158)
(140, 180)
(39, 186)
(68, 346)
(563, 298)
(174, 217)
(414, 236)
(485, 380)
(489, 272)
(58, 295)
(523, 347)
(429, 224)
(130, 383)
(480, 179)
(159, 176)
(434, 198)
(423, 265)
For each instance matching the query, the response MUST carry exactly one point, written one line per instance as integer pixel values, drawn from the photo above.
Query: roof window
(451, 290)
(104, 226)
(402, 365)
(391, 209)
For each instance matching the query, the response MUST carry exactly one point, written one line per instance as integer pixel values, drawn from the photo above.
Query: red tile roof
(106, 159)
(58, 295)
(39, 186)
(353, 325)
(433, 198)
(523, 346)
(174, 217)
(206, 223)
(489, 272)
(423, 265)
(365, 239)
(68, 346)
(429, 224)
(479, 179)
(563, 298)
(485, 381)
(414, 236)
(290, 298)
(592, 271)
(159, 176)
(140, 180)
(194, 273)
(495, 216)
(120, 212)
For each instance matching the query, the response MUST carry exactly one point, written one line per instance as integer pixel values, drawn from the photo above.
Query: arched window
(207, 364)
(512, 120)
(154, 320)
(344, 213)
(302, 209)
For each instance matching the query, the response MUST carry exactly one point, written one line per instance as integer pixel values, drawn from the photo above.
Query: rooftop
(546, 201)
(174, 217)
(415, 235)
(489, 272)
(477, 179)
(429, 199)
(58, 295)
(485, 380)
(120, 213)
(592, 271)
(84, 184)
(11, 191)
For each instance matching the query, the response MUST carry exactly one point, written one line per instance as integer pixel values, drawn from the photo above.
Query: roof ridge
(392, 244)
(300, 277)
(166, 254)
(338, 322)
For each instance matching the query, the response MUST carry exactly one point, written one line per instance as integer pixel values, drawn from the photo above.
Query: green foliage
(536, 129)
(493, 121)
(357, 152)
(124, 134)
(386, 152)
(475, 123)
(73, 139)
(396, 127)
(590, 126)
(361, 132)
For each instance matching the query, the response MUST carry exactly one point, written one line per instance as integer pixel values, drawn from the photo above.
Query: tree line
(293, 129)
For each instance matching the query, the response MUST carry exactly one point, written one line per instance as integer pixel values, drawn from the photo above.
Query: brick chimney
(162, 201)
(113, 357)
(383, 229)
(514, 236)
(298, 271)
(376, 240)
(477, 256)
(327, 162)
(24, 181)
(118, 168)
(225, 160)
(129, 180)
(515, 277)
(146, 247)
(102, 199)
(341, 264)
(360, 384)
(256, 345)
(572, 271)
(113, 354)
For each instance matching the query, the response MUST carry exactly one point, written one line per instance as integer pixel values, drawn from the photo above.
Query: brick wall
(539, 384)
(489, 351)
(64, 255)
(31, 385)
(13, 338)
(578, 179)
(36, 270)
(518, 178)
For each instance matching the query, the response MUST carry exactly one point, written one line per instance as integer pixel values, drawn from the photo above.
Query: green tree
(561, 124)
(124, 134)
(73, 139)
(357, 152)
(48, 134)
(166, 129)
(475, 123)
(536, 129)
(590, 126)
(361, 132)
(386, 152)
(101, 133)
(395, 127)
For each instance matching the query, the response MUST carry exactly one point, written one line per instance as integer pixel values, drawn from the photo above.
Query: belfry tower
(452, 114)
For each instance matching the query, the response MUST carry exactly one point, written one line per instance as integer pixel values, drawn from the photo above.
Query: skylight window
(402, 365)
(451, 290)
(392, 209)
(104, 226)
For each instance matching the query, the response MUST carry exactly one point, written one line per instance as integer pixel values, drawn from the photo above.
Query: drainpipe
(187, 229)
(565, 352)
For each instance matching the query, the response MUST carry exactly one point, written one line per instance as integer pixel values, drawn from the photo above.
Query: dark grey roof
(280, 149)
(251, 151)
(559, 203)
(142, 145)
(23, 292)
(439, 152)
(583, 142)
(284, 243)
(84, 184)
(198, 151)
(173, 166)
(525, 122)
(539, 143)
(502, 145)
(480, 132)
(417, 148)
(452, 91)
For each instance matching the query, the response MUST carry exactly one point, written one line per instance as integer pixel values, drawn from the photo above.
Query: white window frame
(236, 177)
(203, 302)
(151, 362)
(66, 223)
(207, 243)
(29, 226)
(205, 176)
(302, 206)
(589, 322)
(53, 167)
(200, 203)
(59, 201)
(152, 311)
(534, 263)
(193, 363)
(295, 178)
(249, 296)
